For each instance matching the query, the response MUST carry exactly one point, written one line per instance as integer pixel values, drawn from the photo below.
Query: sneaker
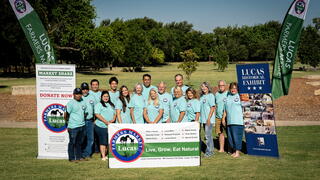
(83, 159)
(74, 161)
(104, 159)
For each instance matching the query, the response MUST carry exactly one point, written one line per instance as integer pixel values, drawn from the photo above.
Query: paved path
(12, 124)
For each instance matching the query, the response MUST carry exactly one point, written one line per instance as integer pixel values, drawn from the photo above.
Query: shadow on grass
(17, 75)
(227, 148)
(3, 87)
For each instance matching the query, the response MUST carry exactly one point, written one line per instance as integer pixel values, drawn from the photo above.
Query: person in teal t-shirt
(122, 109)
(166, 100)
(207, 117)
(154, 110)
(89, 99)
(75, 118)
(178, 78)
(178, 107)
(136, 105)
(220, 98)
(193, 105)
(146, 78)
(95, 90)
(105, 114)
(233, 113)
(113, 92)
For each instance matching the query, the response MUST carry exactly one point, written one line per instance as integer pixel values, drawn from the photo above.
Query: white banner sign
(154, 145)
(55, 84)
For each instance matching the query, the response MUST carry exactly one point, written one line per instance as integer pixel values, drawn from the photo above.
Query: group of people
(91, 111)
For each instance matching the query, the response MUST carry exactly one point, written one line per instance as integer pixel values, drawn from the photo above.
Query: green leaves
(190, 63)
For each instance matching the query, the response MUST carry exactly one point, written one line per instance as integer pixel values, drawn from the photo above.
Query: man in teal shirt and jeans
(75, 118)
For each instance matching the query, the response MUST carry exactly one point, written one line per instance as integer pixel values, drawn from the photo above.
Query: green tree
(190, 63)
(309, 50)
(157, 56)
(221, 57)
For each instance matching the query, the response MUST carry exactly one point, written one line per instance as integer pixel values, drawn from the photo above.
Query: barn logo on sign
(20, 6)
(300, 6)
(53, 118)
(127, 145)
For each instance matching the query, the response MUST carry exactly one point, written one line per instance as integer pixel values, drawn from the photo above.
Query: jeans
(235, 134)
(89, 134)
(75, 141)
(209, 138)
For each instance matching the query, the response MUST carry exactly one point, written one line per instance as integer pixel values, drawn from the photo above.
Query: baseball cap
(77, 91)
(84, 85)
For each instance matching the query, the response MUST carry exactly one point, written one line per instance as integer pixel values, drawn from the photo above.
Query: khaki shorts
(219, 127)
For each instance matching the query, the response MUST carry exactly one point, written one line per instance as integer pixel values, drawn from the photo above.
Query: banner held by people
(34, 31)
(287, 47)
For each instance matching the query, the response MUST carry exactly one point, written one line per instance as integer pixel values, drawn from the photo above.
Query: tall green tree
(190, 63)
(309, 50)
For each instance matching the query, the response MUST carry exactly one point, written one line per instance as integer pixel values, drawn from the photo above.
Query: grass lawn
(299, 150)
(206, 72)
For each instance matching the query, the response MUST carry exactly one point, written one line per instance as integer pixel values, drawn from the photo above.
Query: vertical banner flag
(55, 84)
(287, 47)
(34, 31)
(259, 121)
(154, 145)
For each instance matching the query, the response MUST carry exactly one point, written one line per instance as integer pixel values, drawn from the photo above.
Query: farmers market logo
(127, 145)
(20, 6)
(52, 118)
(300, 6)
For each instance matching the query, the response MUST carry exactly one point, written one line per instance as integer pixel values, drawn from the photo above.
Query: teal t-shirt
(137, 103)
(220, 98)
(233, 109)
(114, 96)
(193, 106)
(178, 105)
(76, 110)
(153, 111)
(89, 100)
(146, 91)
(166, 100)
(206, 102)
(125, 116)
(97, 96)
(184, 89)
(107, 113)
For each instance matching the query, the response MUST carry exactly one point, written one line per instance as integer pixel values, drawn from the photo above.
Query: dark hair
(122, 98)
(109, 101)
(206, 84)
(233, 84)
(94, 80)
(178, 75)
(195, 96)
(146, 75)
(113, 79)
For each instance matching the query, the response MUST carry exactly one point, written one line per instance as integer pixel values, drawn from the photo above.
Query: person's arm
(182, 113)
(197, 116)
(114, 118)
(132, 115)
(145, 115)
(118, 112)
(102, 119)
(223, 120)
(158, 117)
(210, 115)
(66, 117)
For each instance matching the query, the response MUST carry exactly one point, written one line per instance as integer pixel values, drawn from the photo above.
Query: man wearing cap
(89, 121)
(113, 92)
(75, 119)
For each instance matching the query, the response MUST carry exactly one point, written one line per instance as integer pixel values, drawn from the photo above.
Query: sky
(205, 15)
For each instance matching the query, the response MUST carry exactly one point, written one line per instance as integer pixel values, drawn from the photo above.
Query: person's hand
(223, 123)
(208, 123)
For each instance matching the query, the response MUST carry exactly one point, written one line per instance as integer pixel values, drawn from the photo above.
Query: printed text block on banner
(253, 78)
(154, 145)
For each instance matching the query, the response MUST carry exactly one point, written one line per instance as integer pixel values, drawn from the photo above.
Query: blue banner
(254, 78)
(258, 110)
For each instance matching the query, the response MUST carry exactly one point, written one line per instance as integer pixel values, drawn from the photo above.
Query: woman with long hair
(105, 114)
(122, 109)
(207, 117)
(154, 109)
(193, 105)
